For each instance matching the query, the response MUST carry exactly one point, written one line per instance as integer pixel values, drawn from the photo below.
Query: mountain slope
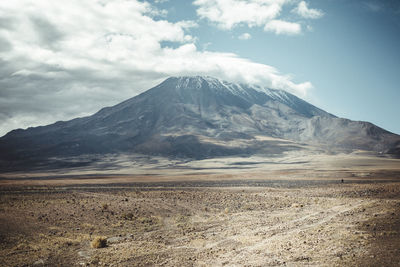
(198, 117)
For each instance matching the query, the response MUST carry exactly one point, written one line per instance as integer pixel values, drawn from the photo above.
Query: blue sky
(60, 61)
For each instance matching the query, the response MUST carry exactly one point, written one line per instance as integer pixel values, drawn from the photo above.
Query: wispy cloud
(62, 61)
(389, 8)
(283, 27)
(304, 11)
(245, 36)
(373, 6)
(230, 13)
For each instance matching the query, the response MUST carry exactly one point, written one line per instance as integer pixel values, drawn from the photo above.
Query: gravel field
(228, 223)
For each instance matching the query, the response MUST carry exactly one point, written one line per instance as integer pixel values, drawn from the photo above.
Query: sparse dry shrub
(128, 216)
(182, 221)
(148, 223)
(247, 207)
(147, 220)
(88, 226)
(99, 242)
(104, 206)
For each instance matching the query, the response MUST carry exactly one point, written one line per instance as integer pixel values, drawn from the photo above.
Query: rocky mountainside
(199, 117)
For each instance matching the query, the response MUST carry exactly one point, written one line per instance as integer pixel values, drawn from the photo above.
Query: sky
(61, 60)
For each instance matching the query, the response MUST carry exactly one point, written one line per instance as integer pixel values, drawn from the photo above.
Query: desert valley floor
(295, 211)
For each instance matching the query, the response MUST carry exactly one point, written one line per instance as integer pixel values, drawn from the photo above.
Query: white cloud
(245, 36)
(62, 61)
(230, 13)
(308, 13)
(227, 14)
(283, 27)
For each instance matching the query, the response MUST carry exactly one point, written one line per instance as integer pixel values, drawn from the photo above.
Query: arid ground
(297, 213)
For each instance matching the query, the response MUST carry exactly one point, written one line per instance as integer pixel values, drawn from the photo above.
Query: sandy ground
(325, 225)
(300, 216)
(296, 165)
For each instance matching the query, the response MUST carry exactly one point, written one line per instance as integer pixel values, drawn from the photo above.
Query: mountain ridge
(176, 116)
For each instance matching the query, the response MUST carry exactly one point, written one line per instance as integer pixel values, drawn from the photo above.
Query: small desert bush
(147, 220)
(182, 221)
(128, 216)
(148, 223)
(104, 206)
(99, 242)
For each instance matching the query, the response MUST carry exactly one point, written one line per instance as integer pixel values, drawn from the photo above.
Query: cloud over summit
(59, 61)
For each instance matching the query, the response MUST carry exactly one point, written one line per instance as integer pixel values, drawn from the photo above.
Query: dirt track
(308, 224)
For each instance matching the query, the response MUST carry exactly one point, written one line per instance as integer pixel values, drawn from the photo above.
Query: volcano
(198, 117)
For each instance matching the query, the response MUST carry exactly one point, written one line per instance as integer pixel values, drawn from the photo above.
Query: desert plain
(298, 210)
